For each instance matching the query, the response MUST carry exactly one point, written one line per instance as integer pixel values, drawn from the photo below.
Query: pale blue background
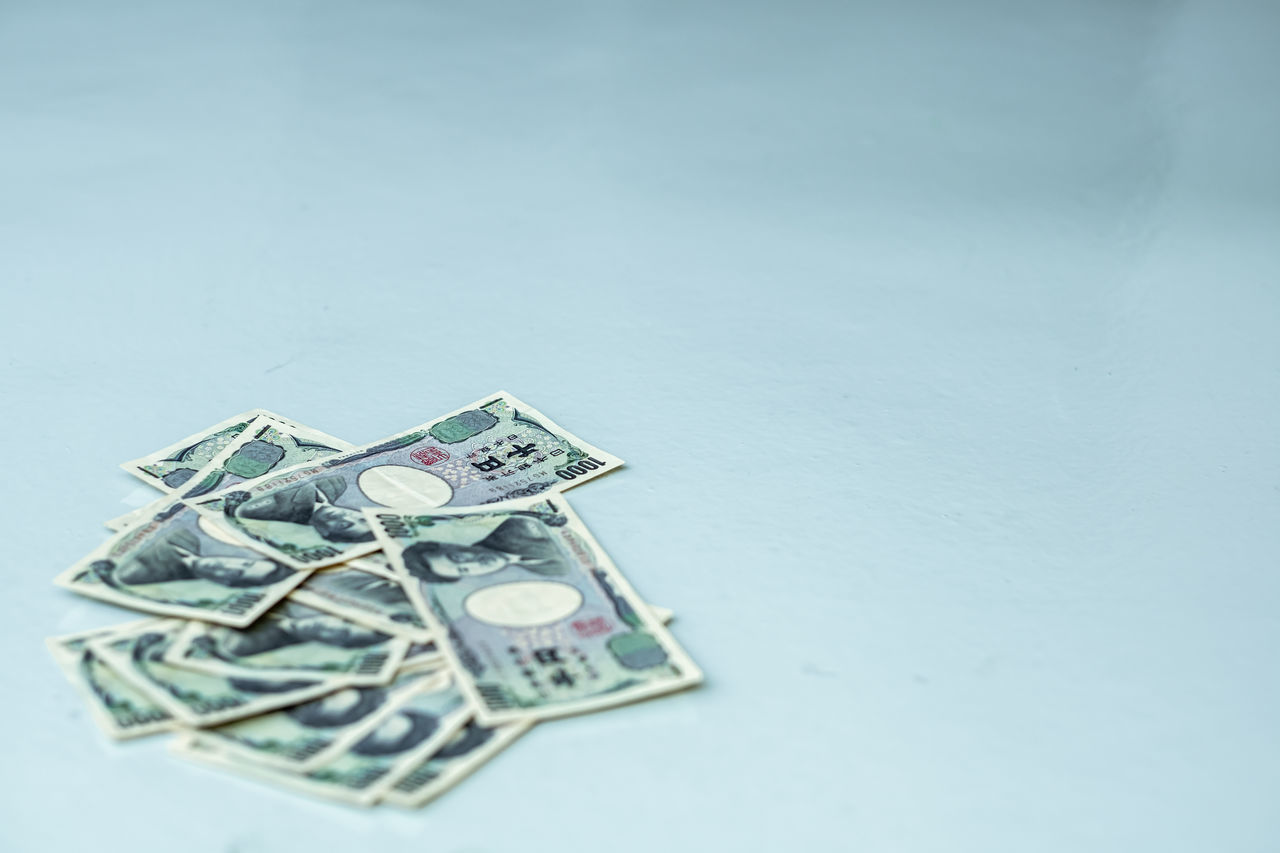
(941, 339)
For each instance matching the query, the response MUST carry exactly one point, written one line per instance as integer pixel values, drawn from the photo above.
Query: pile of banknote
(367, 624)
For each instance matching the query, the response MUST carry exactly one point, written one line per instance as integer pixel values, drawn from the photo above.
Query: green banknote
(267, 445)
(365, 597)
(421, 722)
(530, 611)
(303, 736)
(178, 564)
(198, 698)
(119, 708)
(493, 450)
(170, 467)
(450, 764)
(291, 640)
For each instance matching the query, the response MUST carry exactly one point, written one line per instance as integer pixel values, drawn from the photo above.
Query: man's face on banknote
(338, 523)
(456, 561)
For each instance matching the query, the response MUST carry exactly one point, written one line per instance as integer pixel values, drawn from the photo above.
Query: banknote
(530, 611)
(364, 597)
(178, 564)
(291, 640)
(198, 698)
(303, 736)
(496, 449)
(422, 721)
(456, 760)
(118, 707)
(267, 445)
(168, 468)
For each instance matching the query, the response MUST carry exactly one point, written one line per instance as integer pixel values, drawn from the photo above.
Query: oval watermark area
(523, 604)
(400, 485)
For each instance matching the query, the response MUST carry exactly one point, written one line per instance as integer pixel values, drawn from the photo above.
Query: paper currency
(177, 564)
(168, 468)
(266, 445)
(534, 617)
(364, 597)
(469, 750)
(119, 708)
(420, 724)
(496, 449)
(291, 641)
(303, 736)
(196, 698)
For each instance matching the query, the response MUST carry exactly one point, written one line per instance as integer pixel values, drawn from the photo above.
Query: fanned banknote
(495, 449)
(178, 564)
(291, 641)
(365, 597)
(303, 736)
(422, 721)
(196, 698)
(119, 708)
(469, 750)
(170, 467)
(265, 446)
(533, 616)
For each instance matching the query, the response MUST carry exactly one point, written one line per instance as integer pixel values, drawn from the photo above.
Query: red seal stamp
(429, 455)
(592, 627)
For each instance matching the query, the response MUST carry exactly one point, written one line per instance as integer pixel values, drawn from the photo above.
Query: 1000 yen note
(495, 449)
(136, 653)
(265, 446)
(364, 597)
(170, 467)
(177, 564)
(118, 707)
(421, 722)
(469, 749)
(530, 611)
(302, 736)
(291, 640)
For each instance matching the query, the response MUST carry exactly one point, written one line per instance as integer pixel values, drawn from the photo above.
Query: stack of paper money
(371, 623)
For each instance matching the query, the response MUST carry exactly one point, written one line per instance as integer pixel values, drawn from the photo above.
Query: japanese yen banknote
(533, 615)
(175, 563)
(264, 445)
(493, 450)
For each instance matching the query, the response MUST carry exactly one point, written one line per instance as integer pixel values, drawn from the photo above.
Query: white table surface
(941, 339)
